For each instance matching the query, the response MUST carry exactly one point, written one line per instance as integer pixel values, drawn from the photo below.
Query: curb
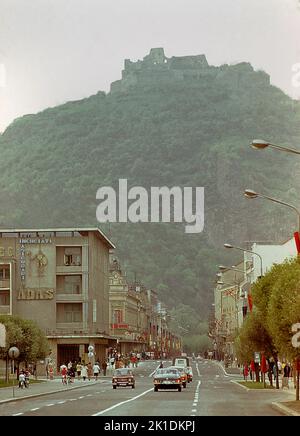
(236, 382)
(225, 372)
(10, 400)
(284, 409)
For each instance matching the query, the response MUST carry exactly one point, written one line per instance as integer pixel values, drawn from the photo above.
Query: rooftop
(41, 233)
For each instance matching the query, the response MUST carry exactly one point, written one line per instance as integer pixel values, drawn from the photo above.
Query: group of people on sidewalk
(82, 371)
(256, 372)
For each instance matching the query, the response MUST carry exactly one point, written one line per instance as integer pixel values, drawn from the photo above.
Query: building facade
(59, 279)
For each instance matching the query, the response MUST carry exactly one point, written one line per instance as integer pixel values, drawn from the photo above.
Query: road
(211, 393)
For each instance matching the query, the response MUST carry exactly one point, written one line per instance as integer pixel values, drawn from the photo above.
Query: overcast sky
(53, 51)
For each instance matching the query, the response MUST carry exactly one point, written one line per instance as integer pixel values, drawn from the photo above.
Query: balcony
(69, 269)
(69, 298)
(4, 310)
(5, 284)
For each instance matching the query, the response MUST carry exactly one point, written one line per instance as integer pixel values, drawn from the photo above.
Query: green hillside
(173, 122)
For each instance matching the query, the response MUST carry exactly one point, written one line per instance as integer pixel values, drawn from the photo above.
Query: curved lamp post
(260, 144)
(247, 251)
(249, 193)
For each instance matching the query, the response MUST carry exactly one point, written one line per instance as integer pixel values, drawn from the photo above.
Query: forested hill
(169, 121)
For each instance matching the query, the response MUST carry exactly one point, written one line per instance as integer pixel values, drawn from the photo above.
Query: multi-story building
(230, 303)
(59, 278)
(128, 317)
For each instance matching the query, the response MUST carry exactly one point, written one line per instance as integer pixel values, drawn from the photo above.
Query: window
(69, 285)
(69, 313)
(4, 272)
(94, 311)
(72, 256)
(4, 298)
(118, 316)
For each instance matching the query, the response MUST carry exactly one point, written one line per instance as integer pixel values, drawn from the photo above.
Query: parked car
(167, 378)
(183, 374)
(123, 377)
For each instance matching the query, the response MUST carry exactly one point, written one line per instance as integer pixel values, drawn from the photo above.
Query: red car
(123, 377)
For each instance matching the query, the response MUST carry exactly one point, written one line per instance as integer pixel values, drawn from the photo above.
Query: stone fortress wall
(156, 68)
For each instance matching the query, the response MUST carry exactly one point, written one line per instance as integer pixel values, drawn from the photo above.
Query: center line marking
(33, 410)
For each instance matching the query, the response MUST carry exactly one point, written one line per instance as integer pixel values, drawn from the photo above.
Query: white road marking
(90, 395)
(123, 402)
(34, 410)
(153, 372)
(80, 398)
(72, 399)
(18, 414)
(194, 410)
(49, 405)
(197, 368)
(61, 402)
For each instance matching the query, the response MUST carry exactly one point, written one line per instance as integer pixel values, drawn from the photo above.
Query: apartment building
(59, 278)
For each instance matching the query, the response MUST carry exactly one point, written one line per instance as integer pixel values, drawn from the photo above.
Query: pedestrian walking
(90, 371)
(104, 367)
(78, 370)
(84, 371)
(286, 376)
(96, 370)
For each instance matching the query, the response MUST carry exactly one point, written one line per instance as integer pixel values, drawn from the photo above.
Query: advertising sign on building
(2, 336)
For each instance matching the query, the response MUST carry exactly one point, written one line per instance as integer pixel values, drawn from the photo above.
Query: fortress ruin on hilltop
(156, 68)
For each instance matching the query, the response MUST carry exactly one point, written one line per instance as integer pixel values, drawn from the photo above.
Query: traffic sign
(257, 357)
(14, 352)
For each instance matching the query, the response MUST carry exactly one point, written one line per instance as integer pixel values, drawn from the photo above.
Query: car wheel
(133, 386)
(184, 385)
(179, 389)
(114, 387)
(155, 389)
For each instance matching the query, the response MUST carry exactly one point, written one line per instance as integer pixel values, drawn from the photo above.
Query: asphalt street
(212, 393)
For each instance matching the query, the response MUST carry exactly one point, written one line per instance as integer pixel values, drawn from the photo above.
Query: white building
(270, 254)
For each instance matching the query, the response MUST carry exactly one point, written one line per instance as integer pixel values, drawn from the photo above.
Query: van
(181, 361)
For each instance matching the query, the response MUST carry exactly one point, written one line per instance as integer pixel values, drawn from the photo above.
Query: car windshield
(166, 371)
(123, 371)
(179, 369)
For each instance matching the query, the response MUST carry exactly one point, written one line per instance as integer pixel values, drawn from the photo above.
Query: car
(183, 374)
(123, 377)
(167, 378)
(189, 372)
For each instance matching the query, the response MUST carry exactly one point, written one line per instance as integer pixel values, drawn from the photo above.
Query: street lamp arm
(252, 252)
(286, 149)
(275, 200)
(261, 144)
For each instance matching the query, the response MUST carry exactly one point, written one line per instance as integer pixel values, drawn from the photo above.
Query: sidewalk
(46, 387)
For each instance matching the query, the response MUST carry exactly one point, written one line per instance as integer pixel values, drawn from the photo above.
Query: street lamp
(260, 144)
(247, 251)
(249, 193)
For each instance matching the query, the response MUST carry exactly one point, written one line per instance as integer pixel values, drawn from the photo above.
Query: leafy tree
(26, 336)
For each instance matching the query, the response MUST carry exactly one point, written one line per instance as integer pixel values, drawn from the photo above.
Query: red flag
(250, 302)
(264, 367)
(297, 240)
